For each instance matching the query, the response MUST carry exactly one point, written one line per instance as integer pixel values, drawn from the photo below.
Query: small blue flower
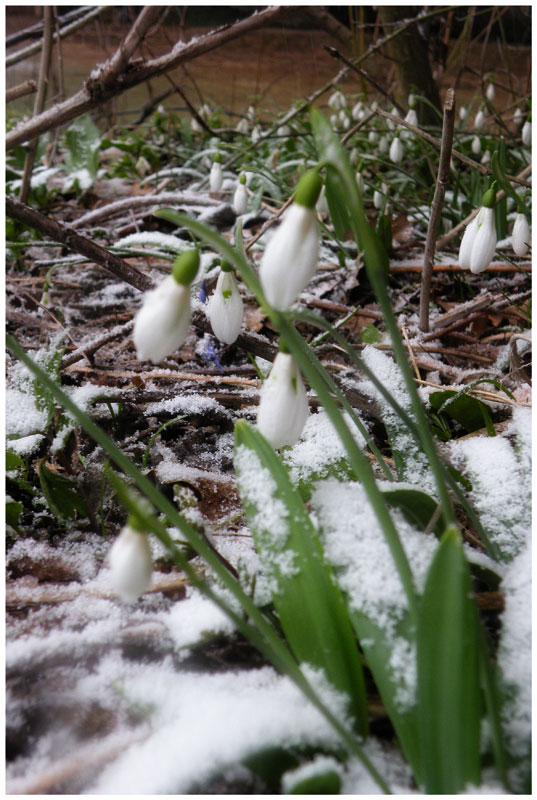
(203, 292)
(210, 355)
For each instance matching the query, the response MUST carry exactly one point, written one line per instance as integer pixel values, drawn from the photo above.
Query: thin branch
(23, 89)
(171, 198)
(78, 244)
(332, 51)
(94, 93)
(32, 49)
(39, 103)
(120, 60)
(35, 31)
(436, 208)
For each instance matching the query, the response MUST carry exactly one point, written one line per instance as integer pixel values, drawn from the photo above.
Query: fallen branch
(95, 93)
(170, 198)
(23, 89)
(78, 244)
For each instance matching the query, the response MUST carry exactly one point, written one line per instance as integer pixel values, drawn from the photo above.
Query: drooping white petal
(283, 404)
(225, 309)
(465, 250)
(526, 133)
(162, 323)
(396, 151)
(521, 235)
(485, 240)
(290, 257)
(131, 564)
(479, 119)
(240, 199)
(491, 92)
(216, 178)
(476, 145)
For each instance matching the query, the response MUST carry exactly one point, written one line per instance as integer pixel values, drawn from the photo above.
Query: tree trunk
(410, 54)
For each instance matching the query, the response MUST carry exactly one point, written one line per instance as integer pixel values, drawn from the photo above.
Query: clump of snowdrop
(226, 310)
(161, 325)
(521, 235)
(344, 120)
(396, 151)
(283, 403)
(216, 177)
(130, 562)
(356, 112)
(337, 100)
(479, 241)
(290, 257)
(240, 198)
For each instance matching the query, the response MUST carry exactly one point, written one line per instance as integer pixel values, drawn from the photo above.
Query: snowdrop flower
(242, 126)
(518, 116)
(479, 240)
(373, 136)
(162, 323)
(216, 178)
(526, 133)
(290, 257)
(360, 183)
(226, 309)
(476, 145)
(521, 235)
(396, 151)
(195, 127)
(379, 197)
(485, 158)
(411, 117)
(130, 562)
(491, 92)
(337, 100)
(142, 167)
(284, 130)
(357, 111)
(283, 404)
(479, 120)
(255, 135)
(463, 113)
(240, 198)
(383, 145)
(251, 113)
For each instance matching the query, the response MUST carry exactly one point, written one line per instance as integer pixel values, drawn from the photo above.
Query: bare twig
(171, 198)
(332, 51)
(94, 93)
(35, 31)
(436, 208)
(78, 244)
(120, 60)
(42, 83)
(32, 49)
(23, 89)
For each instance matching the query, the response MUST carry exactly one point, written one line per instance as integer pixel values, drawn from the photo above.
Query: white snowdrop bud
(526, 133)
(412, 118)
(479, 241)
(373, 137)
(240, 198)
(383, 145)
(283, 404)
(255, 135)
(378, 199)
(130, 563)
(463, 113)
(290, 257)
(491, 92)
(142, 167)
(360, 183)
(284, 130)
(521, 235)
(161, 325)
(251, 113)
(195, 127)
(518, 116)
(479, 120)
(476, 145)
(242, 126)
(216, 177)
(334, 120)
(225, 310)
(485, 158)
(337, 100)
(396, 151)
(356, 111)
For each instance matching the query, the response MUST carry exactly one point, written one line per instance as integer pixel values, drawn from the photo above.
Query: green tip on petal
(242, 178)
(134, 523)
(308, 189)
(489, 198)
(186, 266)
(217, 158)
(225, 266)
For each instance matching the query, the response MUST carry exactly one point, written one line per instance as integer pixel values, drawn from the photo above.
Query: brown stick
(36, 31)
(23, 89)
(436, 208)
(39, 103)
(94, 93)
(120, 60)
(78, 244)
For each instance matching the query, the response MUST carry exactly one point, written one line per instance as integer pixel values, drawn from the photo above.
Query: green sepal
(308, 189)
(186, 266)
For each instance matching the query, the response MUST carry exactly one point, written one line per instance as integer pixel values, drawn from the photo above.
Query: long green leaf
(309, 603)
(449, 694)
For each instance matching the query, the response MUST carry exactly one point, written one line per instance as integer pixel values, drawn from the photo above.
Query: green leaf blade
(449, 698)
